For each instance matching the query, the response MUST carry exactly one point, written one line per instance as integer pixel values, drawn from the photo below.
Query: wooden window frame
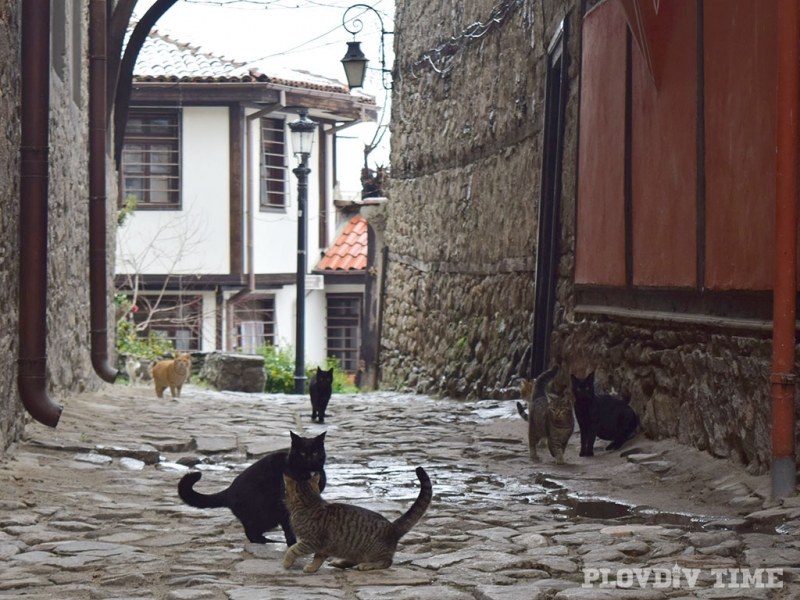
(273, 165)
(152, 142)
(346, 348)
(170, 313)
(259, 309)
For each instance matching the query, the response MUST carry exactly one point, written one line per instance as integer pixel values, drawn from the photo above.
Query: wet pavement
(90, 510)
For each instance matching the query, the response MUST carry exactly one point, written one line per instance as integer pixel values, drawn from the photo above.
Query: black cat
(601, 416)
(256, 495)
(320, 389)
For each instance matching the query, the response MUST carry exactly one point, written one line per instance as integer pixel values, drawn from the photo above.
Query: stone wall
(68, 359)
(68, 342)
(462, 217)
(705, 386)
(11, 417)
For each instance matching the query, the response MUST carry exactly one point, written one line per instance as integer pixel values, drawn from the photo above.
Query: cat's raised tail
(405, 522)
(192, 498)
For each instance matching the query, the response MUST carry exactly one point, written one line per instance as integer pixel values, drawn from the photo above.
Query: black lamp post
(303, 131)
(354, 62)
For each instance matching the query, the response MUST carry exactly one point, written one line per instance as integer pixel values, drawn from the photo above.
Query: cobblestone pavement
(90, 510)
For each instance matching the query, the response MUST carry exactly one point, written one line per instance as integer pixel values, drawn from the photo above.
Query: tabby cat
(256, 495)
(603, 416)
(548, 416)
(356, 536)
(320, 388)
(172, 374)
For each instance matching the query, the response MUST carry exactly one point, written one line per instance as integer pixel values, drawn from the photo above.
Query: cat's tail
(192, 498)
(404, 523)
(543, 380)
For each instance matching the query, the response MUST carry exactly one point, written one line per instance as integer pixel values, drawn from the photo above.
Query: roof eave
(339, 106)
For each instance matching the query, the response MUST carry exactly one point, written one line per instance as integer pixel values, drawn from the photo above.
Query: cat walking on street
(549, 417)
(320, 389)
(355, 536)
(172, 374)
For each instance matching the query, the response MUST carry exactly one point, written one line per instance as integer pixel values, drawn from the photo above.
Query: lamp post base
(300, 385)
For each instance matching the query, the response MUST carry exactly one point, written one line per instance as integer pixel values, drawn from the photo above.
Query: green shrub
(279, 366)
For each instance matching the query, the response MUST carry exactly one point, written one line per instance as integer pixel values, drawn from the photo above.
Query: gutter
(782, 377)
(34, 167)
(98, 200)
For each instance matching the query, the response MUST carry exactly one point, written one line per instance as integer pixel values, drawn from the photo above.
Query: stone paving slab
(90, 511)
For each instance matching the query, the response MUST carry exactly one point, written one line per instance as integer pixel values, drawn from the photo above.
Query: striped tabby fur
(356, 536)
(549, 417)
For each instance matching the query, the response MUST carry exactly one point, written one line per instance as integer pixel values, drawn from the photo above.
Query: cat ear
(294, 436)
(321, 437)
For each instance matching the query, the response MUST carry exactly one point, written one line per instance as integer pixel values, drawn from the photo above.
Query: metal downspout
(34, 166)
(98, 275)
(782, 377)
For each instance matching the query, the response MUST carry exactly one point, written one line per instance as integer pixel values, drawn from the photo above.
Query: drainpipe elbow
(100, 363)
(36, 401)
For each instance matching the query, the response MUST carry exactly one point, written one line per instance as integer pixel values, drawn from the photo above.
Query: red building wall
(664, 154)
(600, 254)
(740, 100)
(700, 199)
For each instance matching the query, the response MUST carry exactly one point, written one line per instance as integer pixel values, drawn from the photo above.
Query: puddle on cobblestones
(573, 506)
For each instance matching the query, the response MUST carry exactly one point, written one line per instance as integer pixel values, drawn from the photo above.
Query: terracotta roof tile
(166, 59)
(349, 251)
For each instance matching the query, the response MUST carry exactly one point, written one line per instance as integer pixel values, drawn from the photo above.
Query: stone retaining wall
(462, 220)
(708, 388)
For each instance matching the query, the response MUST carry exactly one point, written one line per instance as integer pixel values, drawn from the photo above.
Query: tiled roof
(349, 251)
(166, 59)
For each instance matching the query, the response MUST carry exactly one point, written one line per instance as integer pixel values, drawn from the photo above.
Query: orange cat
(172, 374)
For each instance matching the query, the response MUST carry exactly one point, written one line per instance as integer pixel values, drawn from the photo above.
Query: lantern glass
(303, 131)
(355, 65)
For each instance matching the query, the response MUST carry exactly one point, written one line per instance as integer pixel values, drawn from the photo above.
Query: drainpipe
(98, 274)
(782, 377)
(34, 165)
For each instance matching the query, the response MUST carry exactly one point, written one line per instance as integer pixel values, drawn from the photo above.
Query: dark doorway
(547, 248)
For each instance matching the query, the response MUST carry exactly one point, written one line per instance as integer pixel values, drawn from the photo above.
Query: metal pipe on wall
(98, 275)
(782, 377)
(34, 166)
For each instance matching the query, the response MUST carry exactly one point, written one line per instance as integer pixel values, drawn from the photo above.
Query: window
(254, 324)
(178, 318)
(273, 164)
(151, 159)
(344, 329)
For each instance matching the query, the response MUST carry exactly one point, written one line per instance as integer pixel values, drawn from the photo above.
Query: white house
(210, 253)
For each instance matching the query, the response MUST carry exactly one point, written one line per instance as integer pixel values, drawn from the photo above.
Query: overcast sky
(297, 34)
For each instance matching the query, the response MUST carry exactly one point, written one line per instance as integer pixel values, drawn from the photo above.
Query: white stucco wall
(275, 231)
(285, 312)
(193, 239)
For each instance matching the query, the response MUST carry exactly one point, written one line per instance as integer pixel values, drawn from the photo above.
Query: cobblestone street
(90, 510)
